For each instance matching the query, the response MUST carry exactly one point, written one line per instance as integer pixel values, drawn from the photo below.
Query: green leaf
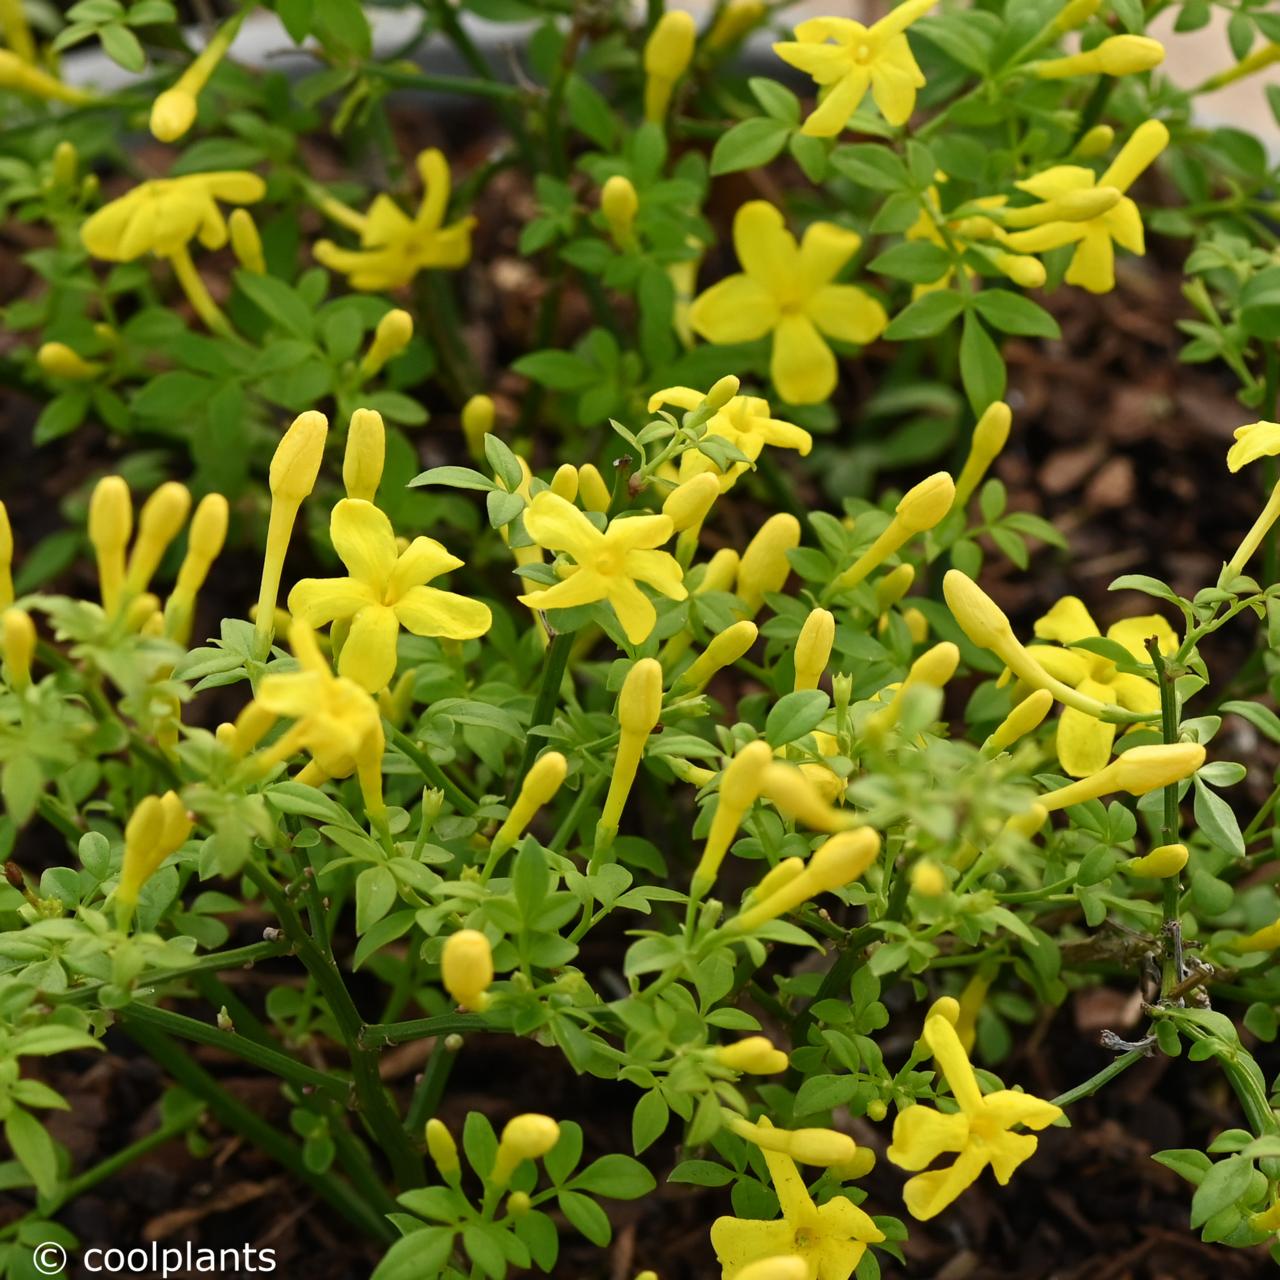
(1262, 718)
(794, 715)
(375, 895)
(1223, 1185)
(749, 144)
(981, 365)
(342, 25)
(587, 1216)
(63, 414)
(420, 1253)
(278, 302)
(824, 1093)
(1147, 585)
(558, 370)
(776, 99)
(701, 1173)
(1260, 305)
(871, 166)
(915, 260)
(649, 1120)
(1217, 821)
(453, 478)
(34, 1150)
(925, 316)
(122, 47)
(616, 1176)
(1012, 313)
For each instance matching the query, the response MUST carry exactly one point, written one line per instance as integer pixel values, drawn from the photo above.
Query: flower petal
(631, 532)
(949, 1053)
(1007, 1151)
(767, 250)
(739, 1242)
(1067, 622)
(422, 560)
(737, 309)
(1007, 1107)
(847, 313)
(319, 601)
(559, 526)
(1133, 633)
(634, 609)
(428, 611)
(802, 366)
(927, 1194)
(921, 1134)
(1093, 264)
(583, 587)
(1135, 693)
(433, 170)
(1061, 664)
(365, 542)
(895, 77)
(1257, 440)
(296, 694)
(659, 570)
(824, 249)
(1083, 742)
(682, 397)
(840, 102)
(1057, 181)
(369, 655)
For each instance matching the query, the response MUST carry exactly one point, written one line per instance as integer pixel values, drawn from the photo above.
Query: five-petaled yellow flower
(1084, 741)
(744, 421)
(386, 590)
(607, 566)
(788, 290)
(980, 1133)
(1093, 264)
(164, 215)
(830, 1238)
(393, 246)
(847, 59)
(1257, 440)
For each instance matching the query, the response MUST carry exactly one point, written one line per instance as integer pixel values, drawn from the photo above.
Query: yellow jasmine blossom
(466, 969)
(1093, 264)
(159, 522)
(795, 794)
(162, 216)
(764, 566)
(478, 416)
(687, 506)
(174, 111)
(6, 558)
(539, 786)
(813, 648)
(788, 290)
(59, 361)
(829, 1239)
(734, 20)
(1115, 56)
(740, 785)
(205, 538)
(385, 590)
(16, 31)
(21, 77)
(744, 421)
(390, 338)
(442, 1149)
(928, 879)
(110, 524)
(246, 243)
(158, 827)
(980, 1133)
(18, 640)
(724, 650)
(607, 566)
(1075, 13)
(846, 59)
(527, 1137)
(1160, 863)
(639, 708)
(788, 1267)
(990, 436)
(619, 204)
(1254, 441)
(754, 1054)
(975, 231)
(1096, 142)
(393, 246)
(970, 1002)
(1137, 771)
(1084, 741)
(1265, 939)
(1022, 720)
(931, 669)
(667, 54)
(592, 489)
(365, 454)
(823, 1147)
(893, 586)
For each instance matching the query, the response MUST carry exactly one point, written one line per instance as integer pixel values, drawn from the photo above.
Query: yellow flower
(205, 537)
(1115, 56)
(386, 590)
(619, 204)
(538, 787)
(60, 361)
(18, 643)
(980, 1133)
(607, 566)
(442, 1149)
(847, 59)
(478, 416)
(755, 1054)
(365, 454)
(813, 648)
(1137, 771)
(723, 650)
(829, 1239)
(1257, 440)
(466, 969)
(740, 784)
(1024, 718)
(639, 708)
(743, 421)
(390, 338)
(164, 215)
(246, 243)
(1159, 864)
(1093, 264)
(735, 19)
(1084, 741)
(526, 1137)
(174, 111)
(16, 31)
(667, 54)
(395, 247)
(787, 290)
(22, 77)
(764, 566)
(990, 435)
(158, 827)
(1265, 939)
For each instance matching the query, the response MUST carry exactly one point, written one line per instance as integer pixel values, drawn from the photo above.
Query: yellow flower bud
(639, 708)
(393, 334)
(721, 571)
(776, 877)
(619, 203)
(158, 827)
(592, 489)
(1265, 939)
(172, 114)
(246, 243)
(466, 969)
(813, 648)
(722, 391)
(739, 787)
(1160, 863)
(893, 586)
(564, 484)
(667, 54)
(365, 454)
(478, 416)
(1075, 14)
(735, 19)
(989, 437)
(58, 360)
(928, 879)
(921, 508)
(688, 503)
(723, 650)
(1115, 56)
(1024, 718)
(6, 558)
(824, 1148)
(16, 31)
(527, 1137)
(19, 646)
(159, 522)
(1096, 142)
(251, 726)
(539, 786)
(22, 77)
(297, 458)
(1071, 206)
(795, 795)
(518, 1204)
(755, 1054)
(205, 540)
(829, 785)
(765, 567)
(1026, 272)
(1137, 771)
(917, 625)
(971, 998)
(442, 1149)
(933, 668)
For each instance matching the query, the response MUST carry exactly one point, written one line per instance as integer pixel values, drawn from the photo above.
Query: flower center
(862, 52)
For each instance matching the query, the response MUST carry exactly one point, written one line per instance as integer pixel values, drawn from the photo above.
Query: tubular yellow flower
(390, 338)
(564, 484)
(246, 243)
(478, 416)
(527, 1137)
(1071, 206)
(788, 290)
(744, 421)
(386, 589)
(205, 539)
(825, 1148)
(1115, 56)
(592, 489)
(921, 508)
(789, 1266)
(1075, 13)
(928, 879)
(6, 557)
(1257, 440)
(838, 862)
(1160, 863)
(639, 708)
(466, 969)
(893, 586)
(813, 648)
(443, 1150)
(159, 522)
(21, 77)
(607, 566)
(294, 468)
(539, 786)
(174, 111)
(971, 998)
(1265, 939)
(667, 54)
(739, 789)
(619, 204)
(1022, 720)
(19, 643)
(764, 567)
(723, 651)
(1137, 771)
(755, 1055)
(252, 725)
(66, 160)
(794, 794)
(365, 454)
(980, 1133)
(687, 505)
(829, 1240)
(1084, 742)
(15, 30)
(735, 19)
(1093, 264)
(158, 827)
(989, 437)
(932, 668)
(395, 247)
(110, 524)
(58, 360)
(1098, 141)
(846, 59)
(1259, 59)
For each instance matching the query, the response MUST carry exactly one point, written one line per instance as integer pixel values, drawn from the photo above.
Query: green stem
(426, 1097)
(376, 1034)
(544, 704)
(433, 773)
(1094, 1083)
(1171, 886)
